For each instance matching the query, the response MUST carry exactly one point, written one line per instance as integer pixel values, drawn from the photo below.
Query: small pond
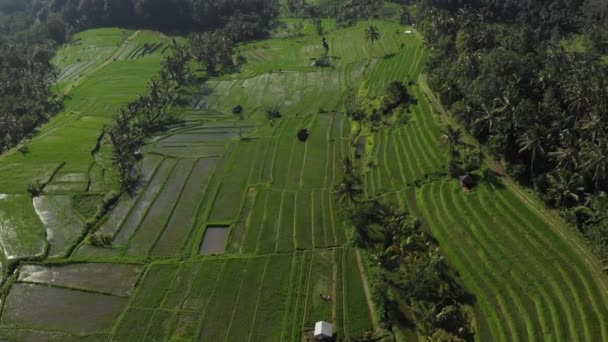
(214, 241)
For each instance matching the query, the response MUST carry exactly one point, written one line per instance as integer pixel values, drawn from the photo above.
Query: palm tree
(451, 136)
(348, 189)
(564, 186)
(487, 122)
(596, 161)
(531, 142)
(371, 36)
(566, 158)
(347, 165)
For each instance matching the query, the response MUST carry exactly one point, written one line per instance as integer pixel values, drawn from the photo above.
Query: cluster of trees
(507, 71)
(388, 109)
(410, 269)
(167, 15)
(143, 116)
(26, 76)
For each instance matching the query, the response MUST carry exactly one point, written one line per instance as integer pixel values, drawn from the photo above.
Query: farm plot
(235, 181)
(87, 50)
(145, 200)
(182, 220)
(490, 234)
(20, 335)
(60, 309)
(279, 221)
(63, 226)
(158, 214)
(299, 93)
(234, 298)
(22, 234)
(114, 279)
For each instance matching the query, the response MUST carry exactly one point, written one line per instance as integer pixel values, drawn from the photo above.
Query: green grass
(22, 234)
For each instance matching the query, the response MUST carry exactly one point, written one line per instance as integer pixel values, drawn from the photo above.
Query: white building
(323, 330)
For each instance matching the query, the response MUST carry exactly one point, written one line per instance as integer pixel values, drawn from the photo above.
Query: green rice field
(269, 200)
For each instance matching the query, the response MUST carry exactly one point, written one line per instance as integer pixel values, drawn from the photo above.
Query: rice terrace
(245, 171)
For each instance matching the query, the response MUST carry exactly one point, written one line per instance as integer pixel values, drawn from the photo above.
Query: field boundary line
(279, 225)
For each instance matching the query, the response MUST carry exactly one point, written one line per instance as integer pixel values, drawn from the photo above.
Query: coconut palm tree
(564, 186)
(372, 35)
(452, 137)
(595, 158)
(531, 142)
(348, 189)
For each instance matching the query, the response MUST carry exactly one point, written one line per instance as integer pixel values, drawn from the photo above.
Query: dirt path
(116, 54)
(368, 294)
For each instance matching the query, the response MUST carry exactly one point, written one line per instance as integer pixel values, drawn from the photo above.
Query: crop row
(526, 283)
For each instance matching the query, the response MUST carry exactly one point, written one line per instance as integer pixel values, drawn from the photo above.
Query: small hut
(467, 182)
(323, 331)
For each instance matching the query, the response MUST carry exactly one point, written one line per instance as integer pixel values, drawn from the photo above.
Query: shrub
(303, 134)
(272, 111)
(35, 189)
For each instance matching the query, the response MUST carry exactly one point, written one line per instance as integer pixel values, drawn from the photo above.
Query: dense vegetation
(30, 32)
(534, 91)
(309, 176)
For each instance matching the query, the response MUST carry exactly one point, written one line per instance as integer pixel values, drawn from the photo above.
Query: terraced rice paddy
(286, 243)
